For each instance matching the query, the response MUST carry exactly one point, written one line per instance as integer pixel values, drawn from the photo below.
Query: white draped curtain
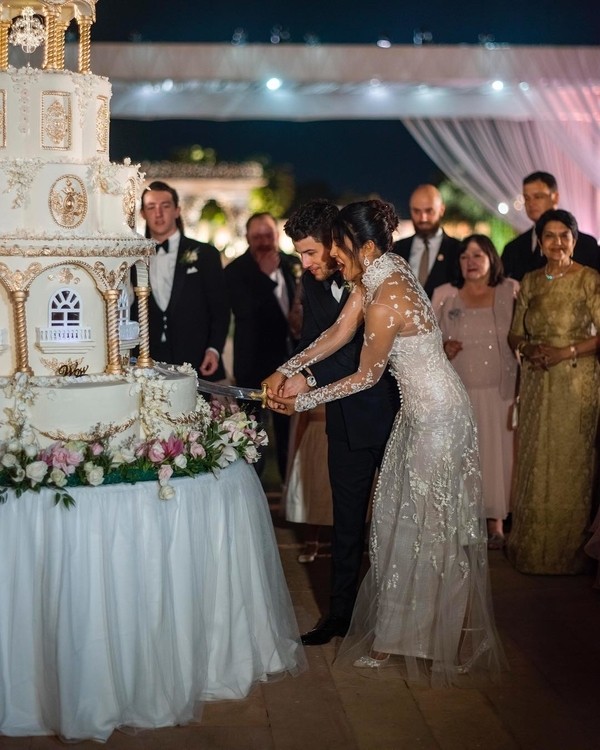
(489, 158)
(543, 115)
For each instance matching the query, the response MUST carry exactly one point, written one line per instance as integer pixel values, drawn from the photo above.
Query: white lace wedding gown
(426, 596)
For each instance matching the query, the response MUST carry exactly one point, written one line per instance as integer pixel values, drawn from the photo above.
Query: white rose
(94, 475)
(36, 471)
(31, 450)
(117, 458)
(251, 454)
(166, 492)
(14, 446)
(58, 477)
(228, 456)
(8, 461)
(128, 455)
(180, 461)
(19, 474)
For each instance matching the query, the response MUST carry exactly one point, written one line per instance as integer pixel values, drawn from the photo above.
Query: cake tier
(107, 406)
(55, 115)
(39, 199)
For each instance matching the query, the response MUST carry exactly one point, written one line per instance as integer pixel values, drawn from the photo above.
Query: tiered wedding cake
(67, 244)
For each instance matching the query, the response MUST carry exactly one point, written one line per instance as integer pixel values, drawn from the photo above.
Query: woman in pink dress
(475, 317)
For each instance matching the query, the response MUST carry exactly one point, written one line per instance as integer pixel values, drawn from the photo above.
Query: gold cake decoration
(70, 368)
(68, 201)
(56, 120)
(129, 203)
(2, 118)
(102, 124)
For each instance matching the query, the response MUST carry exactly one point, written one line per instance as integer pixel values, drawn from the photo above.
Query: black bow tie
(335, 277)
(164, 245)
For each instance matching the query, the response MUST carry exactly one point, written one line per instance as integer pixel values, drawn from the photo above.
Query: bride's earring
(366, 262)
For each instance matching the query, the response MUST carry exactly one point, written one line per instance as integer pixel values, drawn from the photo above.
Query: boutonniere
(189, 257)
(440, 256)
(349, 286)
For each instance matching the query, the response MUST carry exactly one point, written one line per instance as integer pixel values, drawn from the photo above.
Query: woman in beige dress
(475, 317)
(307, 491)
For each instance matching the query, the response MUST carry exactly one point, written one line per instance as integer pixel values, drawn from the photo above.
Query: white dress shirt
(280, 291)
(162, 271)
(337, 290)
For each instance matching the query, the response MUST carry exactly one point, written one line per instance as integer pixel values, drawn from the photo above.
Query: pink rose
(165, 473)
(96, 449)
(156, 453)
(197, 450)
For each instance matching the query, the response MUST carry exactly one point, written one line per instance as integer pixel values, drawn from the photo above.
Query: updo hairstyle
(362, 221)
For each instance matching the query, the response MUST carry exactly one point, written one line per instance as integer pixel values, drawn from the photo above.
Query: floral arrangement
(209, 446)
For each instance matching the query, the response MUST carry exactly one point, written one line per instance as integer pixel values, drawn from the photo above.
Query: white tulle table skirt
(129, 610)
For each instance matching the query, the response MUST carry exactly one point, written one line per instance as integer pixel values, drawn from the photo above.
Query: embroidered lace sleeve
(330, 340)
(395, 306)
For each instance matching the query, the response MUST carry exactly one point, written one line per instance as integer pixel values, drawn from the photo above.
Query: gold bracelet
(573, 350)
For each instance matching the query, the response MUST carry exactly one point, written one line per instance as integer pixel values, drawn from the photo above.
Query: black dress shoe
(327, 629)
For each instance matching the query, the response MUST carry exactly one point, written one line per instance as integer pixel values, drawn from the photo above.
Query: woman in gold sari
(552, 332)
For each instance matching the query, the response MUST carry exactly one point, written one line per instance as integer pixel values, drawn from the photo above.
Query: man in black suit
(430, 252)
(357, 426)
(262, 285)
(523, 254)
(188, 307)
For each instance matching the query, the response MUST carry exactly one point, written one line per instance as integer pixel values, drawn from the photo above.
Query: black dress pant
(351, 473)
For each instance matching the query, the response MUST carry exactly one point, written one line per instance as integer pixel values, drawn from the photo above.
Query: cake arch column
(111, 298)
(18, 299)
(4, 29)
(142, 294)
(17, 284)
(60, 29)
(50, 51)
(85, 26)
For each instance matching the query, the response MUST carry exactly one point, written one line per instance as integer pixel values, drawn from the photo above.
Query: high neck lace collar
(377, 271)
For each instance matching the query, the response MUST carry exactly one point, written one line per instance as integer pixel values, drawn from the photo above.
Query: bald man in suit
(430, 252)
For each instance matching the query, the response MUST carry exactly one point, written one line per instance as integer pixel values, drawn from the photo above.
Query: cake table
(131, 611)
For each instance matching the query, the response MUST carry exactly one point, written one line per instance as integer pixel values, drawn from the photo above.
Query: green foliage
(277, 195)
(462, 207)
(195, 154)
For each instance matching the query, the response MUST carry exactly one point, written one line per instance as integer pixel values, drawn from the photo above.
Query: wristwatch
(311, 381)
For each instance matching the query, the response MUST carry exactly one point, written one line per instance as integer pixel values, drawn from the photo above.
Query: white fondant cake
(67, 245)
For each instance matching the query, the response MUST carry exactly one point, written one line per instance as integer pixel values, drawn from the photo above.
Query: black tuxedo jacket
(261, 339)
(365, 419)
(518, 258)
(445, 268)
(197, 316)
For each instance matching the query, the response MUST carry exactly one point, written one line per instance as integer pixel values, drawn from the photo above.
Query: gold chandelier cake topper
(21, 24)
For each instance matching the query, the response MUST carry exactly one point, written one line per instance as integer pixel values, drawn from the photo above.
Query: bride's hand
(280, 404)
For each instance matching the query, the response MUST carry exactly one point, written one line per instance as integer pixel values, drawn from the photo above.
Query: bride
(426, 597)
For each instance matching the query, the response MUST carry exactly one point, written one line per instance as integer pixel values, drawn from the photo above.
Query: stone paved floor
(550, 700)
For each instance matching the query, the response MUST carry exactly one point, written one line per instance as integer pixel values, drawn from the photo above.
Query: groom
(357, 426)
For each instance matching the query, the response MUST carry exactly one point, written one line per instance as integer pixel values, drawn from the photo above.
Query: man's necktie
(424, 264)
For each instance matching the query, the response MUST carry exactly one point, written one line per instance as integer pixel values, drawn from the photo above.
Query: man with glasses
(521, 255)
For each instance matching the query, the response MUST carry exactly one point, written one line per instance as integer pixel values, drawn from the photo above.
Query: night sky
(352, 157)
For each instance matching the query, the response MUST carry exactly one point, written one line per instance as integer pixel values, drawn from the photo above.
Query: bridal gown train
(426, 596)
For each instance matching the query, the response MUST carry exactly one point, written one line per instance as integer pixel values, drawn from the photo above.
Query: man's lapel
(179, 276)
